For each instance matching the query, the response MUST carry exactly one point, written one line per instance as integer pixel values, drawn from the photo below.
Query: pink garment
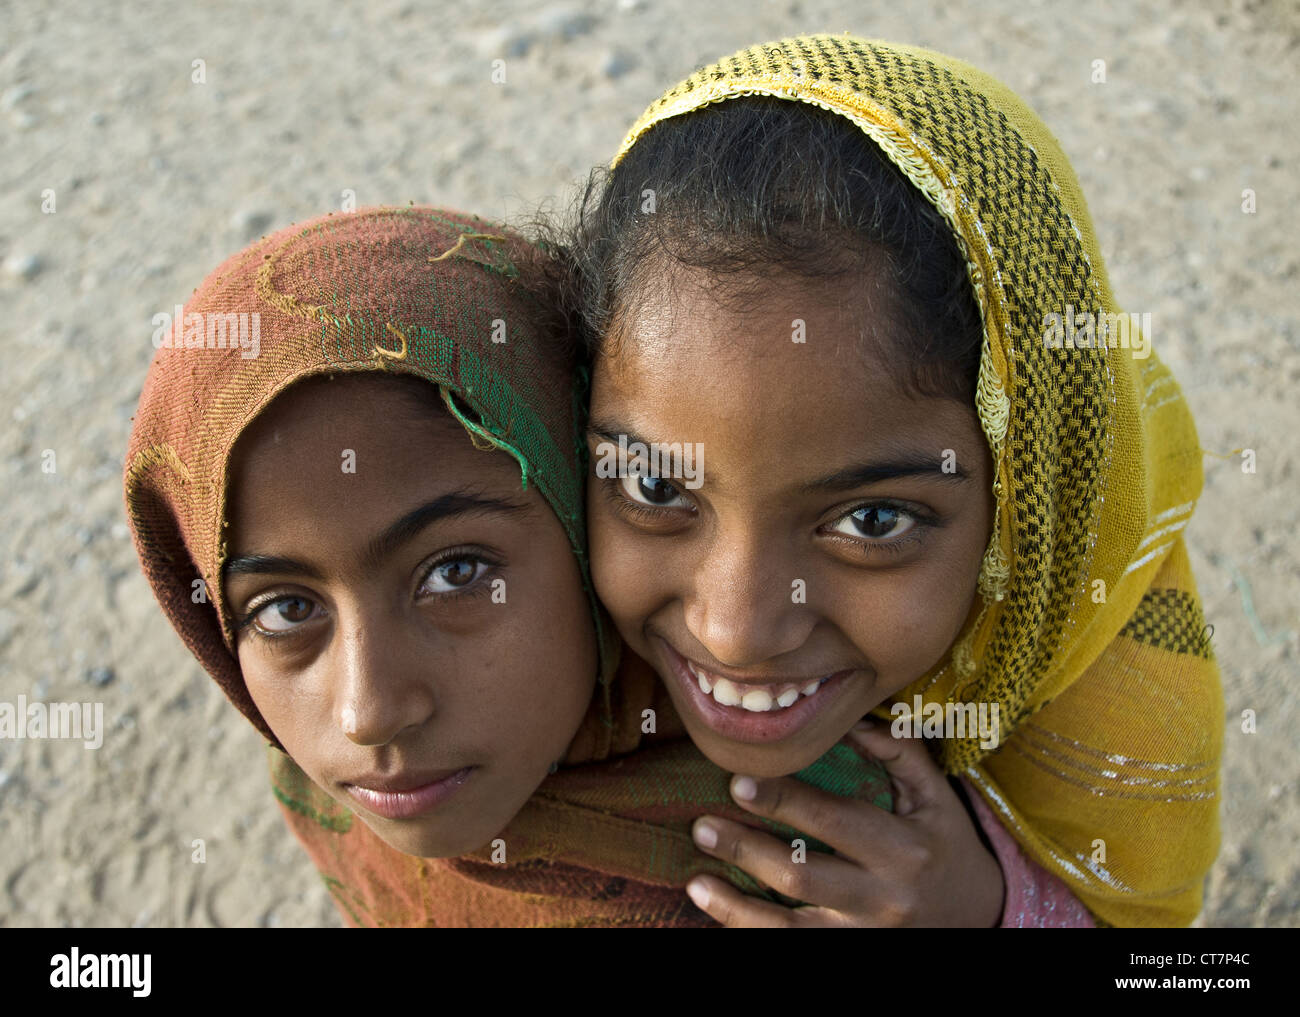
(1035, 899)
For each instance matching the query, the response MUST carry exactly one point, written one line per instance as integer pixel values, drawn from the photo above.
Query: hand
(922, 865)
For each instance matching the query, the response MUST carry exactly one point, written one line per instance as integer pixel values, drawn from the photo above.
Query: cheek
(270, 693)
(286, 705)
(538, 668)
(631, 572)
(904, 624)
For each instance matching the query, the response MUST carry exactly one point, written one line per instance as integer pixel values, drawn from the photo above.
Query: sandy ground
(156, 178)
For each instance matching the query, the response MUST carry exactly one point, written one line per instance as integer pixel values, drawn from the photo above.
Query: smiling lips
(754, 712)
(754, 698)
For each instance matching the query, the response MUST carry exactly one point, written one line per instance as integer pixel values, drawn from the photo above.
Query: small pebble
(618, 63)
(15, 94)
(25, 579)
(507, 42)
(566, 23)
(250, 223)
(22, 266)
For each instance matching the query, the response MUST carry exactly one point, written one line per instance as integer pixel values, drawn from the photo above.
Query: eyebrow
(448, 506)
(265, 565)
(906, 464)
(612, 436)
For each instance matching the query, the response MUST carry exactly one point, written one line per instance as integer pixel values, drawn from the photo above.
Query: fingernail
(699, 893)
(745, 788)
(705, 835)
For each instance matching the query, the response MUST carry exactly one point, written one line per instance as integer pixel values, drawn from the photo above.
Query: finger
(727, 905)
(918, 781)
(857, 830)
(812, 877)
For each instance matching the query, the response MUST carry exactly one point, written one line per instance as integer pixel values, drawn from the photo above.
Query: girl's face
(411, 624)
(829, 557)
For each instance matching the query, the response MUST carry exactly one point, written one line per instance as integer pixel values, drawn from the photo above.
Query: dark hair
(760, 185)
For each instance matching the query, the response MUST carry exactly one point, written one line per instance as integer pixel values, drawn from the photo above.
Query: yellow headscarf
(1090, 637)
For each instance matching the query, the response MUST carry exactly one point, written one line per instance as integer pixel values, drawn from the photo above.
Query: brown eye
(284, 614)
(876, 522)
(648, 490)
(457, 573)
(452, 575)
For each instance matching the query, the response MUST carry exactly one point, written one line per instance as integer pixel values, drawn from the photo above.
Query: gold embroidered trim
(393, 354)
(158, 455)
(460, 242)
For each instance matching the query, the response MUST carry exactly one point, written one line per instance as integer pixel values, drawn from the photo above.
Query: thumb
(918, 781)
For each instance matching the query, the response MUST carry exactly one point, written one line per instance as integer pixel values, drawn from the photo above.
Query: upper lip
(755, 679)
(403, 780)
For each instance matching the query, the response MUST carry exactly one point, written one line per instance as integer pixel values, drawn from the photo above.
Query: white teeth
(757, 701)
(726, 693)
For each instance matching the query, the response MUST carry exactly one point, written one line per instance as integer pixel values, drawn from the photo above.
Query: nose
(381, 682)
(743, 608)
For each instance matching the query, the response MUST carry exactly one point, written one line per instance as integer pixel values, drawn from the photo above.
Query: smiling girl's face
(830, 556)
(414, 630)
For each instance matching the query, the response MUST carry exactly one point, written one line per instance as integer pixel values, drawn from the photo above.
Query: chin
(437, 844)
(756, 760)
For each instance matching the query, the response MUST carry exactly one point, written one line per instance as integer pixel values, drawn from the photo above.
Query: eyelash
(476, 588)
(921, 521)
(249, 621)
(634, 509)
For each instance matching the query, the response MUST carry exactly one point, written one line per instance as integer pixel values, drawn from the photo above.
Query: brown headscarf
(418, 291)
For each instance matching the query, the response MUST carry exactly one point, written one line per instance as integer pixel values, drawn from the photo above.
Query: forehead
(741, 317)
(402, 415)
(793, 369)
(353, 452)
(359, 402)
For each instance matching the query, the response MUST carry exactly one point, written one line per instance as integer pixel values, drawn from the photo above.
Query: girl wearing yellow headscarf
(907, 457)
